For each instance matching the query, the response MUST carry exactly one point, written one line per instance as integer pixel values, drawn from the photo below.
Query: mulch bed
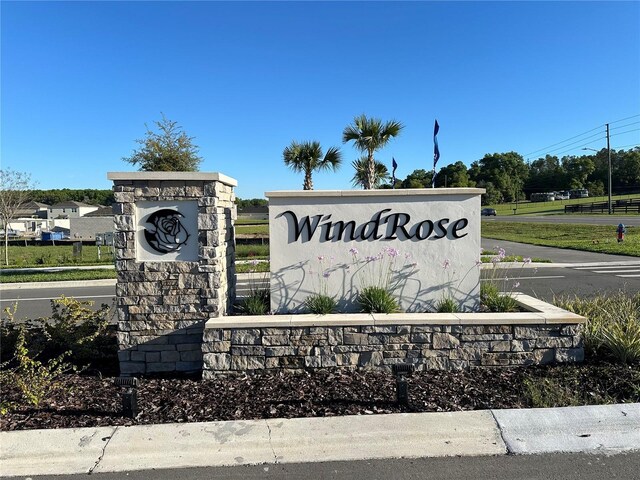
(90, 401)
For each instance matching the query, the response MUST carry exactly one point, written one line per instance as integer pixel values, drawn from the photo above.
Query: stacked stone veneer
(162, 306)
(427, 346)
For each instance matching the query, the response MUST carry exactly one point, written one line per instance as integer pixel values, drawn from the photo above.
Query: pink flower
(446, 264)
(353, 251)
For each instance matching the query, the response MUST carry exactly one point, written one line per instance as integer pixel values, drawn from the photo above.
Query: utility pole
(609, 165)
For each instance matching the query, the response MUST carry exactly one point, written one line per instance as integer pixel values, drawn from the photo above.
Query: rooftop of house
(72, 204)
(101, 212)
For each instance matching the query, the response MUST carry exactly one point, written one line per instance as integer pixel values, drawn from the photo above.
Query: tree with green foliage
(578, 170)
(508, 172)
(308, 157)
(418, 179)
(361, 175)
(168, 150)
(14, 192)
(370, 135)
(454, 175)
(545, 175)
(87, 195)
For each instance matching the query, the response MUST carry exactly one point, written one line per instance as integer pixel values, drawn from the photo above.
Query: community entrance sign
(422, 244)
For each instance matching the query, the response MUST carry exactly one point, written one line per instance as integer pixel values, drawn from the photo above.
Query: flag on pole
(436, 152)
(393, 173)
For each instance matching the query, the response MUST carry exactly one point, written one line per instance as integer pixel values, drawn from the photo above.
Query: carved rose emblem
(167, 234)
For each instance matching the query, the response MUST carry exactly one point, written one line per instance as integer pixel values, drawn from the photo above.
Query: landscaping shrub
(613, 324)
(377, 300)
(83, 335)
(447, 305)
(321, 304)
(35, 379)
(495, 301)
(257, 303)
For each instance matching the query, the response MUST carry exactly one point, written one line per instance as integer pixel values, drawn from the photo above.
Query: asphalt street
(513, 467)
(572, 273)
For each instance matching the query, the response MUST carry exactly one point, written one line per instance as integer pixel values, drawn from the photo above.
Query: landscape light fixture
(401, 370)
(129, 396)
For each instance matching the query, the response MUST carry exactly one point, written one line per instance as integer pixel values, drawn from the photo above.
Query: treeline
(90, 196)
(507, 176)
(103, 197)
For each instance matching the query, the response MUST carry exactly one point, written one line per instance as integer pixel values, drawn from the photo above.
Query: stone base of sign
(544, 334)
(162, 306)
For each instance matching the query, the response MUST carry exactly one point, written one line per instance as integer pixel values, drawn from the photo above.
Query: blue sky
(81, 79)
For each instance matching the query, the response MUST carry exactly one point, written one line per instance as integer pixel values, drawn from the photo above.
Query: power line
(622, 133)
(578, 141)
(623, 119)
(625, 146)
(546, 151)
(624, 126)
(545, 148)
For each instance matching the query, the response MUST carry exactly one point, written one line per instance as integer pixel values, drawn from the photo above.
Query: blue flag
(393, 172)
(436, 152)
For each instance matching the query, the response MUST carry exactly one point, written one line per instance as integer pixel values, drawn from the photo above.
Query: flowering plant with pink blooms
(379, 276)
(497, 289)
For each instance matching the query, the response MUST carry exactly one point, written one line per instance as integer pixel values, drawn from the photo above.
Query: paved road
(513, 467)
(588, 278)
(545, 282)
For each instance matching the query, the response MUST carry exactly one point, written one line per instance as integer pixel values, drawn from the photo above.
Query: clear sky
(81, 79)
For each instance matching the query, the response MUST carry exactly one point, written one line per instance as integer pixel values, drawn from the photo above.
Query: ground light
(129, 396)
(401, 370)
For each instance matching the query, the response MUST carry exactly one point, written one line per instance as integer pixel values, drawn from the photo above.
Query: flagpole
(436, 152)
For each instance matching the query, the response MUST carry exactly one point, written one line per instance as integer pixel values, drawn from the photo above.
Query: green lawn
(252, 229)
(551, 208)
(67, 275)
(21, 256)
(249, 221)
(591, 238)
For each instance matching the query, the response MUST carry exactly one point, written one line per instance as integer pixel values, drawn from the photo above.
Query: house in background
(86, 227)
(30, 219)
(71, 209)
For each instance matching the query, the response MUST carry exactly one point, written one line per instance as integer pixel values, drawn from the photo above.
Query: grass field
(551, 208)
(68, 275)
(252, 229)
(591, 238)
(21, 256)
(249, 221)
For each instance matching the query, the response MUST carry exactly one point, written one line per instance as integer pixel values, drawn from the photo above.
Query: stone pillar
(175, 259)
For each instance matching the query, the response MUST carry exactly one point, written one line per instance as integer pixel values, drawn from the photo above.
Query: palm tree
(307, 157)
(369, 135)
(381, 174)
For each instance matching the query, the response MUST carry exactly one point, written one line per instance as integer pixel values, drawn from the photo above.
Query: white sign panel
(167, 231)
(422, 245)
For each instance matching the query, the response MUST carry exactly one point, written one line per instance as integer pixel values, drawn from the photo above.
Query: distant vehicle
(12, 233)
(579, 193)
(542, 197)
(564, 195)
(488, 212)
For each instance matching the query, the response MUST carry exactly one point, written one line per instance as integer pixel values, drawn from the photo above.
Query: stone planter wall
(429, 341)
(163, 306)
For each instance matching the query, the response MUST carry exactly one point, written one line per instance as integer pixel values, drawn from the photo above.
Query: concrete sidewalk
(607, 429)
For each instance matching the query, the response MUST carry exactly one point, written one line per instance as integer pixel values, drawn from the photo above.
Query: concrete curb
(599, 429)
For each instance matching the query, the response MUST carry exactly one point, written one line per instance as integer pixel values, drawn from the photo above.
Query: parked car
(579, 193)
(564, 195)
(488, 212)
